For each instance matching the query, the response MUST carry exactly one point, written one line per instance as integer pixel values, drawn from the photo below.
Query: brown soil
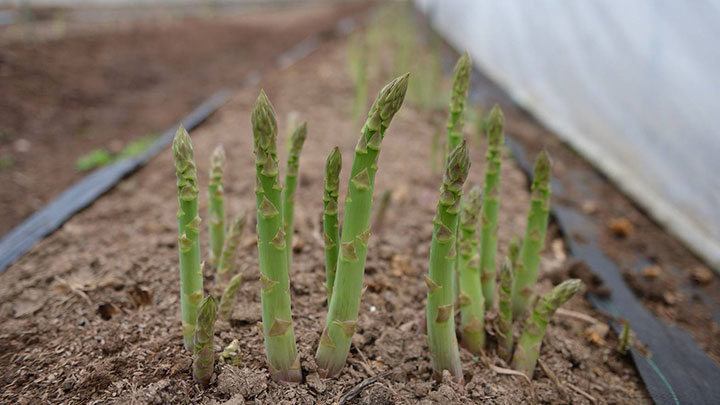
(101, 88)
(56, 347)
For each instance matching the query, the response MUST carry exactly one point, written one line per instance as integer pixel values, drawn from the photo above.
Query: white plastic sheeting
(633, 85)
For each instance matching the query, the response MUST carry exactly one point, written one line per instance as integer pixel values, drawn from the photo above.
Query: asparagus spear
(526, 271)
(528, 348)
(344, 305)
(280, 348)
(381, 211)
(333, 165)
(230, 247)
(227, 301)
(216, 209)
(505, 339)
(204, 360)
(624, 341)
(491, 204)
(439, 310)
(297, 139)
(231, 354)
(471, 300)
(456, 119)
(191, 281)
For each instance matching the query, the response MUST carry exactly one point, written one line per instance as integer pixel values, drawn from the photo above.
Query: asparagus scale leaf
(297, 139)
(216, 209)
(470, 298)
(491, 204)
(440, 315)
(528, 347)
(191, 281)
(526, 271)
(280, 347)
(333, 165)
(344, 305)
(204, 359)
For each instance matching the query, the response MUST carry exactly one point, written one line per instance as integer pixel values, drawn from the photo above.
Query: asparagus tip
(496, 122)
(541, 170)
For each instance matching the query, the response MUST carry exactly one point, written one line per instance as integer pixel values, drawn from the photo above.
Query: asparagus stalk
(297, 139)
(439, 310)
(471, 300)
(343, 309)
(381, 211)
(456, 119)
(624, 341)
(526, 271)
(230, 247)
(333, 165)
(505, 338)
(280, 348)
(204, 360)
(491, 204)
(191, 281)
(528, 348)
(227, 301)
(216, 209)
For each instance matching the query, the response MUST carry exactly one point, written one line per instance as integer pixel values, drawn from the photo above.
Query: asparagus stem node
(204, 359)
(440, 316)
(191, 281)
(528, 347)
(333, 166)
(280, 347)
(471, 300)
(297, 139)
(491, 204)
(526, 271)
(216, 209)
(347, 288)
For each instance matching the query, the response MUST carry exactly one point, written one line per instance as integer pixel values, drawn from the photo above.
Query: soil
(57, 345)
(103, 85)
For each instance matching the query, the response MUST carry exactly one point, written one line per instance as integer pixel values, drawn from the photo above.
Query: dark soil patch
(101, 88)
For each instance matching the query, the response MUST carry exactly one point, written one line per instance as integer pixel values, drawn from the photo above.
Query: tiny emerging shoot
(204, 359)
(624, 342)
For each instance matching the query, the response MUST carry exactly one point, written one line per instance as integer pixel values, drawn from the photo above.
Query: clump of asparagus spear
(526, 271)
(227, 301)
(297, 139)
(505, 339)
(230, 246)
(333, 165)
(204, 360)
(345, 301)
(456, 119)
(191, 281)
(471, 300)
(216, 209)
(280, 348)
(439, 310)
(528, 347)
(491, 204)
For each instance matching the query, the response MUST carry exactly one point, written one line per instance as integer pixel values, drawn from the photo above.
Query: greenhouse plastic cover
(634, 86)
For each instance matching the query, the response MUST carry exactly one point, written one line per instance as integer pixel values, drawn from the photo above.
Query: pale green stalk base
(528, 347)
(471, 300)
(191, 281)
(229, 297)
(345, 302)
(526, 271)
(216, 209)
(204, 359)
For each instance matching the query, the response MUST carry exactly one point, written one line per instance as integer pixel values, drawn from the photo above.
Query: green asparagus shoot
(456, 119)
(297, 139)
(280, 347)
(526, 271)
(528, 347)
(216, 209)
(345, 301)
(230, 247)
(505, 337)
(471, 300)
(227, 301)
(191, 280)
(333, 165)
(491, 204)
(204, 359)
(624, 342)
(440, 314)
(231, 353)
(381, 211)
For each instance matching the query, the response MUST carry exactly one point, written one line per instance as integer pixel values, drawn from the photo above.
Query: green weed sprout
(440, 296)
(528, 347)
(345, 302)
(333, 165)
(526, 271)
(280, 348)
(204, 359)
(191, 280)
(470, 298)
(297, 139)
(216, 209)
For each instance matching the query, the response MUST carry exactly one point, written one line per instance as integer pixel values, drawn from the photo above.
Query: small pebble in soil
(621, 227)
